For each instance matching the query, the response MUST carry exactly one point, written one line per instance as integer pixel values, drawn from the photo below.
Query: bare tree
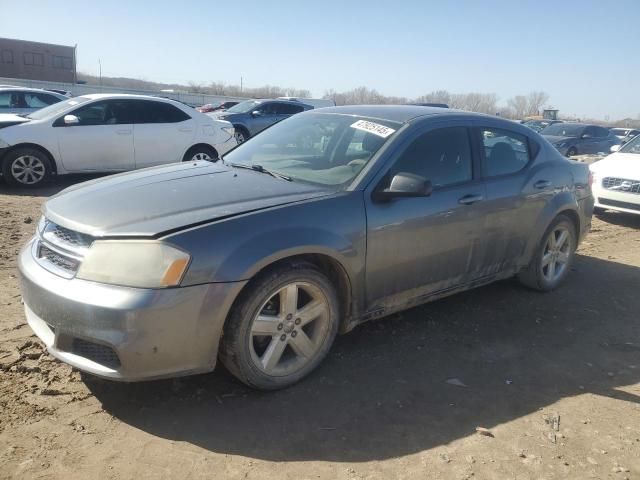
(520, 105)
(536, 101)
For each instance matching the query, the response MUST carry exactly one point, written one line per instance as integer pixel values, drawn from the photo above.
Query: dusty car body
(281, 258)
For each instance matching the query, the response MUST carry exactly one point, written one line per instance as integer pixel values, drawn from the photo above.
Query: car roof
(398, 113)
(10, 88)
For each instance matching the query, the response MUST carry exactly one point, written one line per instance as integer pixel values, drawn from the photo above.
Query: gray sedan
(324, 221)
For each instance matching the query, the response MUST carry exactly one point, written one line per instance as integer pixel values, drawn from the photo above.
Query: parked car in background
(616, 179)
(253, 116)
(106, 133)
(625, 134)
(214, 107)
(314, 102)
(22, 100)
(579, 138)
(259, 261)
(538, 125)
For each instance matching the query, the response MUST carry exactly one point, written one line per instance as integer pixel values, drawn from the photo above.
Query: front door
(420, 246)
(102, 140)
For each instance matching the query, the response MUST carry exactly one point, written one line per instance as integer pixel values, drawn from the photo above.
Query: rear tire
(281, 327)
(572, 151)
(200, 152)
(26, 167)
(552, 260)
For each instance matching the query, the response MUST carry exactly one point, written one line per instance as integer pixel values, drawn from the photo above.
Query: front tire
(26, 167)
(553, 257)
(241, 135)
(281, 328)
(572, 152)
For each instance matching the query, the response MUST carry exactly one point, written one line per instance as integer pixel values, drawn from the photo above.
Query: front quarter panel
(238, 248)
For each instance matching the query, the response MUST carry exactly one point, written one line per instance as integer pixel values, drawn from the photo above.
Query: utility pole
(240, 84)
(100, 73)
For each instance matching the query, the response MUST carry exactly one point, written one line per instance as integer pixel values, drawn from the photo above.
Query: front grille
(96, 353)
(69, 237)
(615, 203)
(621, 184)
(60, 261)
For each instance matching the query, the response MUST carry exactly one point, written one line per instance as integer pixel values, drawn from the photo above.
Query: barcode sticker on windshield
(372, 127)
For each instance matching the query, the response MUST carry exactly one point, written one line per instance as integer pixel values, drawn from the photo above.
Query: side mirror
(614, 148)
(71, 120)
(256, 113)
(586, 135)
(404, 185)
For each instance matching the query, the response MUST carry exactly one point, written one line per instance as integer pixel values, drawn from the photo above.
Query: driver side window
(113, 112)
(441, 156)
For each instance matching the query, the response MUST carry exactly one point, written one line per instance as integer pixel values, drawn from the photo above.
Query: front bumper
(124, 333)
(616, 200)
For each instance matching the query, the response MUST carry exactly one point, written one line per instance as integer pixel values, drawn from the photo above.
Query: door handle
(470, 199)
(542, 184)
(123, 132)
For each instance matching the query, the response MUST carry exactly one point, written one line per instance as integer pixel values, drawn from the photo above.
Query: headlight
(134, 263)
(3, 144)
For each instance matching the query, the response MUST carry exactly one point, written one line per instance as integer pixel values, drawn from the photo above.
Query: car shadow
(620, 218)
(383, 390)
(52, 187)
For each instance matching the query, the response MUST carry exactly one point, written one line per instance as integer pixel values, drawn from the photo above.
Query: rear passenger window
(442, 156)
(289, 109)
(158, 112)
(505, 152)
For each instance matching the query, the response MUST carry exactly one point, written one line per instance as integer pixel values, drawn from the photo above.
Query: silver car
(326, 220)
(23, 100)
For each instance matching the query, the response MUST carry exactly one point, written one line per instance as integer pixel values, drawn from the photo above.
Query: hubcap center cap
(289, 326)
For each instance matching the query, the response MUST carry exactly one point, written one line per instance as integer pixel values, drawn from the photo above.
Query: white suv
(22, 100)
(107, 133)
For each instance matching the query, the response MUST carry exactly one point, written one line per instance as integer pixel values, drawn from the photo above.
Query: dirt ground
(554, 378)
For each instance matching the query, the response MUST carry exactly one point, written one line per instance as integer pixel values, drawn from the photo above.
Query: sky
(584, 54)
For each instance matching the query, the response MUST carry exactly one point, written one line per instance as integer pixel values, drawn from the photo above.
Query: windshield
(563, 130)
(56, 108)
(321, 149)
(632, 146)
(244, 107)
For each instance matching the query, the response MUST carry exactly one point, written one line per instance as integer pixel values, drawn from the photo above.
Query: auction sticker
(372, 127)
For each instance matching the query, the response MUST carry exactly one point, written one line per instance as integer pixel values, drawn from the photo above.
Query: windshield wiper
(261, 169)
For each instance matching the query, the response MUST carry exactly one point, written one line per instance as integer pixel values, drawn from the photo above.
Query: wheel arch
(198, 145)
(52, 160)
(325, 263)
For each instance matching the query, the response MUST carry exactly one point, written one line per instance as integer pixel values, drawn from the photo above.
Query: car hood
(9, 119)
(620, 165)
(557, 139)
(156, 200)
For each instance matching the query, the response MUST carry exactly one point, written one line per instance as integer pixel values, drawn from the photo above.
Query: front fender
(237, 248)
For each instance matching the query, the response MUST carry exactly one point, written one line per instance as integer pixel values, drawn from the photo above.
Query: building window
(6, 56)
(62, 62)
(35, 59)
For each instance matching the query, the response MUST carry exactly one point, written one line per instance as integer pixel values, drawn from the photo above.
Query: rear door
(590, 144)
(516, 194)
(420, 246)
(162, 133)
(101, 141)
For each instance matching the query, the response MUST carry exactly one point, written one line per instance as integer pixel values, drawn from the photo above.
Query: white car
(107, 133)
(616, 179)
(22, 100)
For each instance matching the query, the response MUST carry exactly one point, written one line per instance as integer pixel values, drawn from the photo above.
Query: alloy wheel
(239, 137)
(289, 329)
(557, 253)
(200, 156)
(28, 169)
